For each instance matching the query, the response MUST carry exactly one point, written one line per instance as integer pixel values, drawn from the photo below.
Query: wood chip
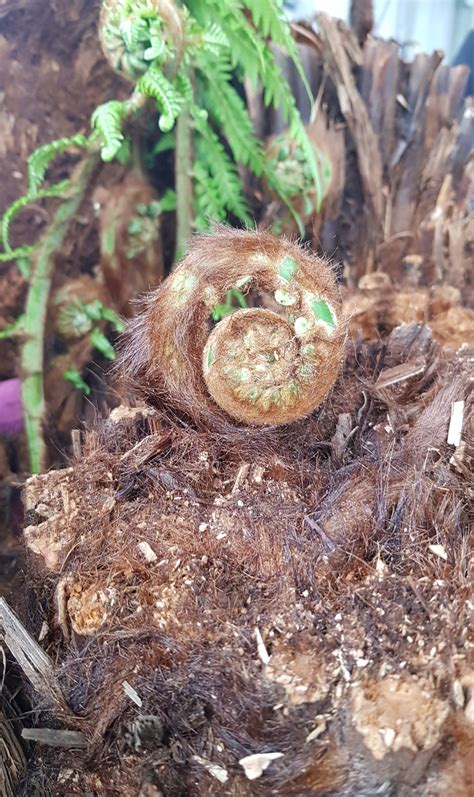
(255, 765)
(145, 548)
(217, 772)
(317, 731)
(34, 662)
(76, 443)
(132, 694)
(455, 423)
(262, 651)
(55, 738)
(400, 373)
(439, 551)
(242, 474)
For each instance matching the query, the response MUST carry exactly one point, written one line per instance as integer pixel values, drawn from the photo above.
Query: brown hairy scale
(259, 366)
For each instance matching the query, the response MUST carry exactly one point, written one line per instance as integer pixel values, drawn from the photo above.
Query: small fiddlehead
(268, 364)
(136, 33)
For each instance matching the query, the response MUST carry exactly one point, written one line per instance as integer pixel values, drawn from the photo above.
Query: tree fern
(40, 159)
(188, 57)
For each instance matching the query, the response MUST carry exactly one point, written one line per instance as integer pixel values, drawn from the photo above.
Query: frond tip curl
(267, 364)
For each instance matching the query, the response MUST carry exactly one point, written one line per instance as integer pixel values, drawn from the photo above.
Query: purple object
(11, 409)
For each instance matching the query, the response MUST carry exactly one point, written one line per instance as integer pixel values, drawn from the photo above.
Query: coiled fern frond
(136, 33)
(267, 364)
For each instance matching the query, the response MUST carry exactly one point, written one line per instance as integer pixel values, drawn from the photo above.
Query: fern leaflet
(269, 18)
(231, 113)
(154, 84)
(107, 122)
(210, 150)
(207, 200)
(278, 94)
(53, 191)
(16, 254)
(41, 158)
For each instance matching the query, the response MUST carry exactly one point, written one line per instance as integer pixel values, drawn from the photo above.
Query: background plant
(190, 59)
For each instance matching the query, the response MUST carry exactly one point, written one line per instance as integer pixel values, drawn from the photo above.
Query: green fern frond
(278, 93)
(53, 191)
(154, 84)
(41, 158)
(207, 200)
(107, 122)
(245, 47)
(229, 109)
(211, 152)
(268, 17)
(214, 39)
(249, 52)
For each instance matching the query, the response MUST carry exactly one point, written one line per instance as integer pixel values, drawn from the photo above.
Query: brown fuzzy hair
(264, 365)
(292, 603)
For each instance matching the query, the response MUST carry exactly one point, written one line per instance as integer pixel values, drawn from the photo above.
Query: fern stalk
(184, 184)
(32, 350)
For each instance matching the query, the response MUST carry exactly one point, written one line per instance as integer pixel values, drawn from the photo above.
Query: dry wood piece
(34, 662)
(55, 738)
(408, 139)
(362, 18)
(12, 755)
(355, 113)
(48, 501)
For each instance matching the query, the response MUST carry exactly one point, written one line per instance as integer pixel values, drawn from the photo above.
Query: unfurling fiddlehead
(268, 364)
(135, 33)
